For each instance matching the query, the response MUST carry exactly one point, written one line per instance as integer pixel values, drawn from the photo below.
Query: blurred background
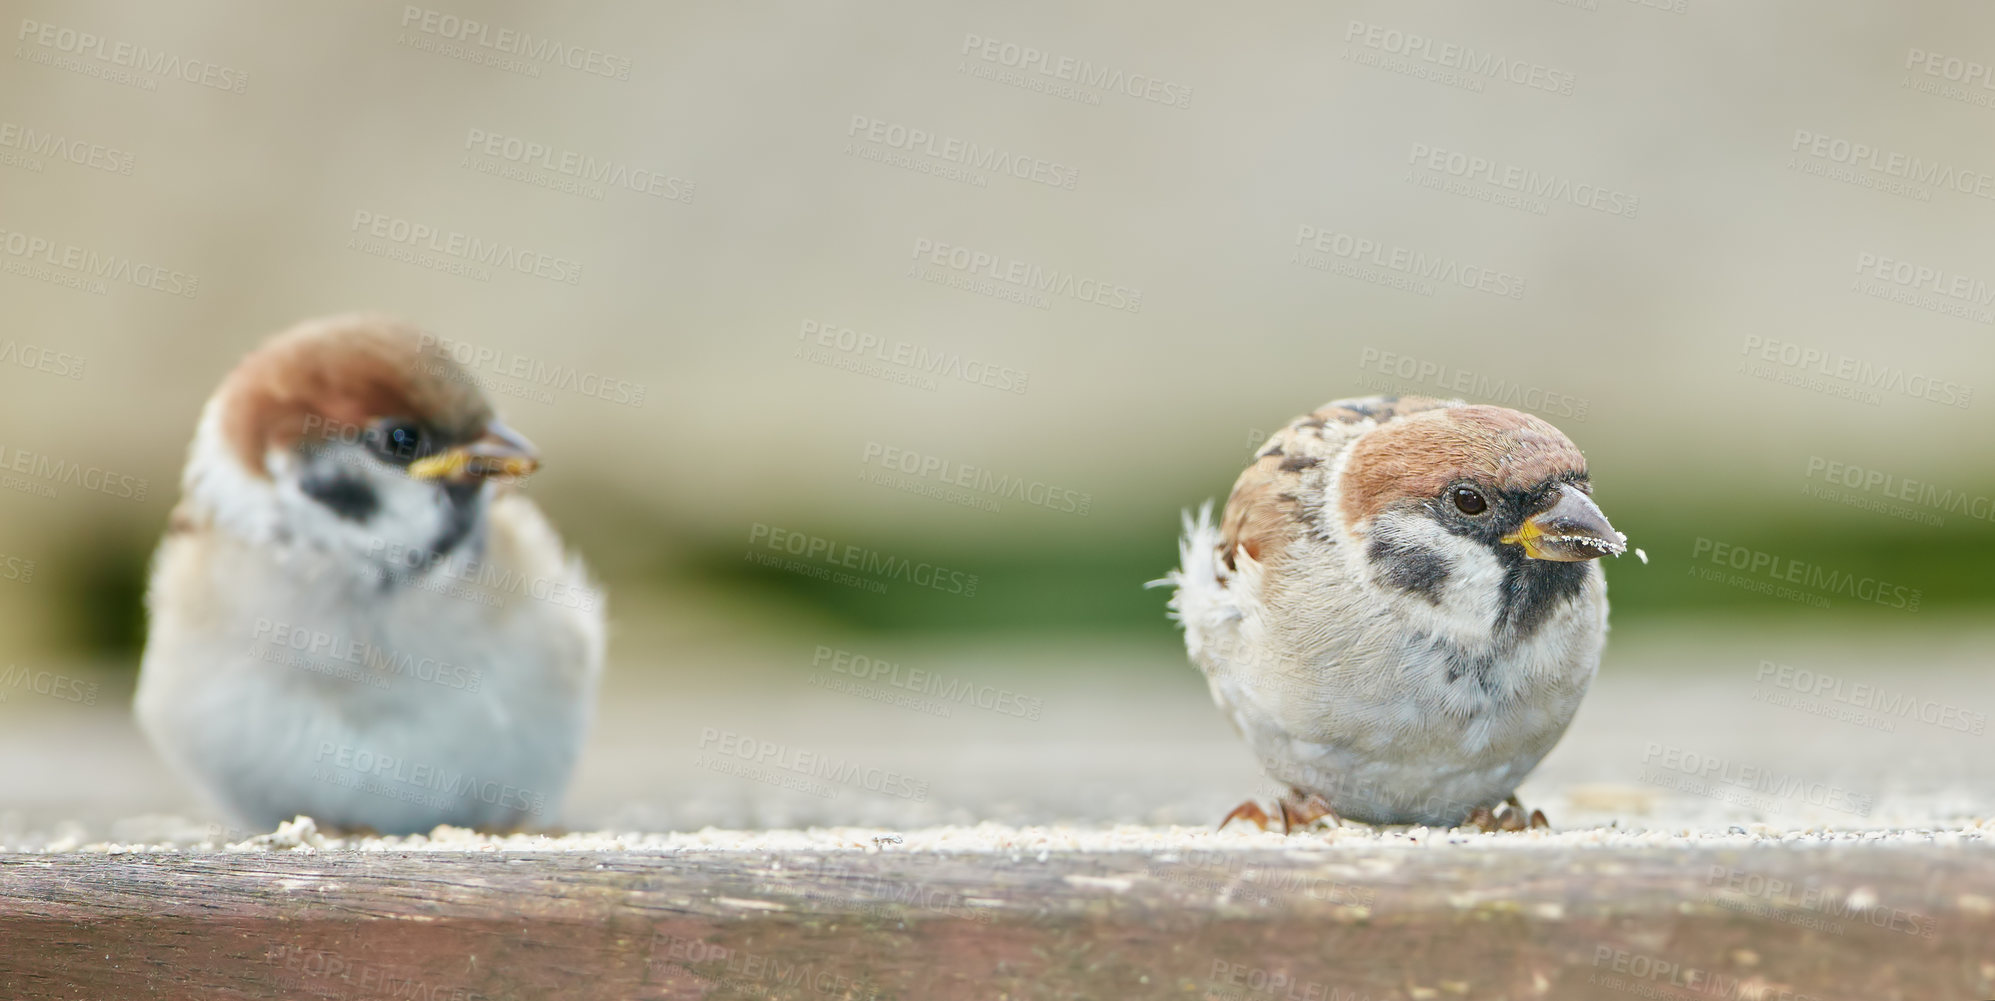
(1000, 291)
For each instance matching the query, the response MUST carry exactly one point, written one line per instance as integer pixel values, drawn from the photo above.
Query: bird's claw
(1294, 812)
(1249, 811)
(1508, 816)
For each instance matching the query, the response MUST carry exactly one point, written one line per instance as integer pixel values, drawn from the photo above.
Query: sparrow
(1400, 608)
(353, 614)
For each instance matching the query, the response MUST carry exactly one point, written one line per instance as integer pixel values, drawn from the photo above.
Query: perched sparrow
(352, 616)
(1399, 609)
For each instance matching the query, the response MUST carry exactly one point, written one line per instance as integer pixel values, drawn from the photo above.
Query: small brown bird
(353, 616)
(1400, 609)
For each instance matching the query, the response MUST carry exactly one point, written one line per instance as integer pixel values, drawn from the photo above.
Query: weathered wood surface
(1829, 921)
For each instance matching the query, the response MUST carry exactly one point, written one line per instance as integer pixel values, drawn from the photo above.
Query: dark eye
(399, 442)
(1468, 500)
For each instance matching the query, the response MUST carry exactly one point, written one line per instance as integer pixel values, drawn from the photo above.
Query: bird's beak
(501, 452)
(1572, 529)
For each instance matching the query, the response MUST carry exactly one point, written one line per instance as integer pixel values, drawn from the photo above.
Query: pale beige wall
(1644, 319)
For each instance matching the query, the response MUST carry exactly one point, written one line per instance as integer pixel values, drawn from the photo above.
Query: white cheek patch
(1450, 585)
(406, 518)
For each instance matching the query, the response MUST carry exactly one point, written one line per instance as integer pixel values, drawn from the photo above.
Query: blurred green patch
(1774, 565)
(98, 587)
(1092, 581)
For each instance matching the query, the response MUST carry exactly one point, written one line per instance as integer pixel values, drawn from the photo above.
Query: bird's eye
(1468, 500)
(399, 442)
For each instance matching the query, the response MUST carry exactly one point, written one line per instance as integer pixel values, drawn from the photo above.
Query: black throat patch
(342, 493)
(1534, 589)
(462, 507)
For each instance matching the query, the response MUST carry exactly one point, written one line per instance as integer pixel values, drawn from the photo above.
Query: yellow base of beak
(1528, 535)
(463, 463)
(1569, 531)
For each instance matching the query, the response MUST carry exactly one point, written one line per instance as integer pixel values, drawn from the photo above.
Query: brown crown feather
(346, 371)
(1419, 454)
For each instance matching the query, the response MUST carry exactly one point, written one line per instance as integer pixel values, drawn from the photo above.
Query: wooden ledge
(1822, 921)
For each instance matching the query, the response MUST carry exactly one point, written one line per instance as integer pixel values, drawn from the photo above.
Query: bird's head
(346, 435)
(1481, 511)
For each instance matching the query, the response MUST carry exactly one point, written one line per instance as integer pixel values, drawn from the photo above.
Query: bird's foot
(1508, 816)
(1293, 812)
(1537, 821)
(1249, 811)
